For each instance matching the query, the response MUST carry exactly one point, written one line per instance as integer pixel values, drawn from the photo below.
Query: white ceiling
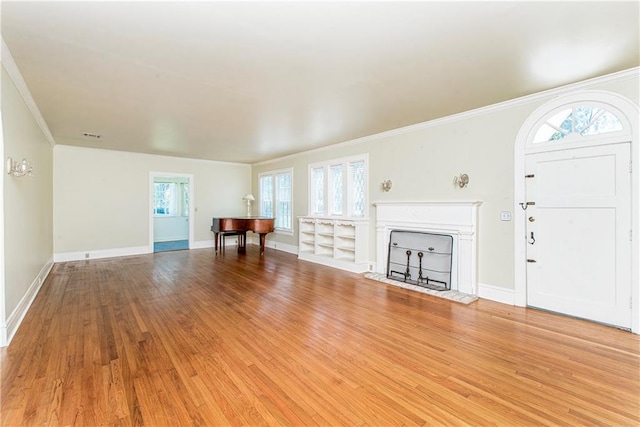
(247, 82)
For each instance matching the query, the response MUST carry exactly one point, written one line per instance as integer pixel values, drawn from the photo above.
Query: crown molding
(63, 146)
(584, 84)
(14, 73)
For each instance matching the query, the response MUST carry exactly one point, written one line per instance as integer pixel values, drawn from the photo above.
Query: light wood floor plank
(194, 338)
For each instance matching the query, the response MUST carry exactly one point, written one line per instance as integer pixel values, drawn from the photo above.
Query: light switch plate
(505, 216)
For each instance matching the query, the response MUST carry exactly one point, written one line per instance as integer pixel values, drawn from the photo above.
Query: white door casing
(628, 113)
(578, 232)
(190, 222)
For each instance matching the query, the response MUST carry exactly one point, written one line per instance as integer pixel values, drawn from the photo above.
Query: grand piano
(239, 226)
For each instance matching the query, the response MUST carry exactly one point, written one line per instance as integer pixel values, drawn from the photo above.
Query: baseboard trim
(495, 293)
(279, 246)
(15, 319)
(335, 263)
(117, 252)
(201, 244)
(102, 253)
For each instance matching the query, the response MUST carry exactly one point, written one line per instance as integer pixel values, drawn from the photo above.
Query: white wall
(422, 160)
(101, 199)
(166, 229)
(28, 223)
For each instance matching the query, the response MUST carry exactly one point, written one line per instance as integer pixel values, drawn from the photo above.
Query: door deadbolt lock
(531, 219)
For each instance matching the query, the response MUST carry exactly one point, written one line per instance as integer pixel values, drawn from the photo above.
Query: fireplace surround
(457, 219)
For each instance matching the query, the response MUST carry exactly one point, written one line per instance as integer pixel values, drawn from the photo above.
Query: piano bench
(224, 234)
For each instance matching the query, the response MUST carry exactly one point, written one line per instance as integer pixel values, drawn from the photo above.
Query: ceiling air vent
(91, 135)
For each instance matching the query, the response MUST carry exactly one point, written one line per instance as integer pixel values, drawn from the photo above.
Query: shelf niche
(338, 243)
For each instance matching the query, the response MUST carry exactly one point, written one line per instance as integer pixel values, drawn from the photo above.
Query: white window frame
(274, 174)
(347, 188)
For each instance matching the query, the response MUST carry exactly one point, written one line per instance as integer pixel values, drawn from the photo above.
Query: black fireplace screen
(419, 258)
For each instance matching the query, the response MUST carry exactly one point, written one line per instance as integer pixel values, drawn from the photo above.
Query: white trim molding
(14, 73)
(279, 246)
(456, 218)
(101, 253)
(203, 244)
(630, 116)
(191, 218)
(3, 319)
(9, 329)
(496, 293)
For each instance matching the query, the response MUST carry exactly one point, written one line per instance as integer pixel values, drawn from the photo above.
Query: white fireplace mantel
(456, 218)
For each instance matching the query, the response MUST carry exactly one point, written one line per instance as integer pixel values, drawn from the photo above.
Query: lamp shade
(249, 197)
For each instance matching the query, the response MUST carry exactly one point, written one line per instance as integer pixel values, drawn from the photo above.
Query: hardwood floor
(191, 338)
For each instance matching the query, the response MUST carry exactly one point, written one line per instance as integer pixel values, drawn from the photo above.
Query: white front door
(578, 232)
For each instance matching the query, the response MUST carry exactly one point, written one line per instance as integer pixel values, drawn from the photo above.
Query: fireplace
(419, 258)
(455, 221)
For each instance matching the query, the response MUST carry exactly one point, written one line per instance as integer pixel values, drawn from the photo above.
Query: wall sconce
(461, 180)
(386, 185)
(19, 169)
(248, 198)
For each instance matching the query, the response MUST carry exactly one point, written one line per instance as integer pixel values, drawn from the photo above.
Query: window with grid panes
(338, 187)
(275, 198)
(316, 196)
(335, 175)
(358, 180)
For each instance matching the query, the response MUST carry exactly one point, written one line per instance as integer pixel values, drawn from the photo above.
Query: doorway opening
(171, 212)
(576, 204)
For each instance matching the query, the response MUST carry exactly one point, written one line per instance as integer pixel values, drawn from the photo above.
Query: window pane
(557, 136)
(557, 127)
(358, 181)
(164, 198)
(607, 122)
(335, 174)
(583, 117)
(283, 197)
(583, 120)
(317, 202)
(266, 195)
(545, 133)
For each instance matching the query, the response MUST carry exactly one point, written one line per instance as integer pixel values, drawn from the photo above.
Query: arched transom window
(583, 120)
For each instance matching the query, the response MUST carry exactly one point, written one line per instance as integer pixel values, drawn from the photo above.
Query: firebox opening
(420, 258)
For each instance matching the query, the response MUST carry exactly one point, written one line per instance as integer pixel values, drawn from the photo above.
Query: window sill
(284, 232)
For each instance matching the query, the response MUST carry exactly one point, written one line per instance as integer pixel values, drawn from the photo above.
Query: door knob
(531, 219)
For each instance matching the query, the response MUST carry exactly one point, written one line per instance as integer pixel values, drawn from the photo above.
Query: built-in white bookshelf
(339, 243)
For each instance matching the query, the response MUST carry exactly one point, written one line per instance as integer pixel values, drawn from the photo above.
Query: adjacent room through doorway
(170, 213)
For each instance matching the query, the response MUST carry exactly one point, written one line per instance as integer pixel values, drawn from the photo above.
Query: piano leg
(215, 240)
(263, 238)
(242, 242)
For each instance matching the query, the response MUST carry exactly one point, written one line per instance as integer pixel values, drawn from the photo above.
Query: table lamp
(249, 198)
